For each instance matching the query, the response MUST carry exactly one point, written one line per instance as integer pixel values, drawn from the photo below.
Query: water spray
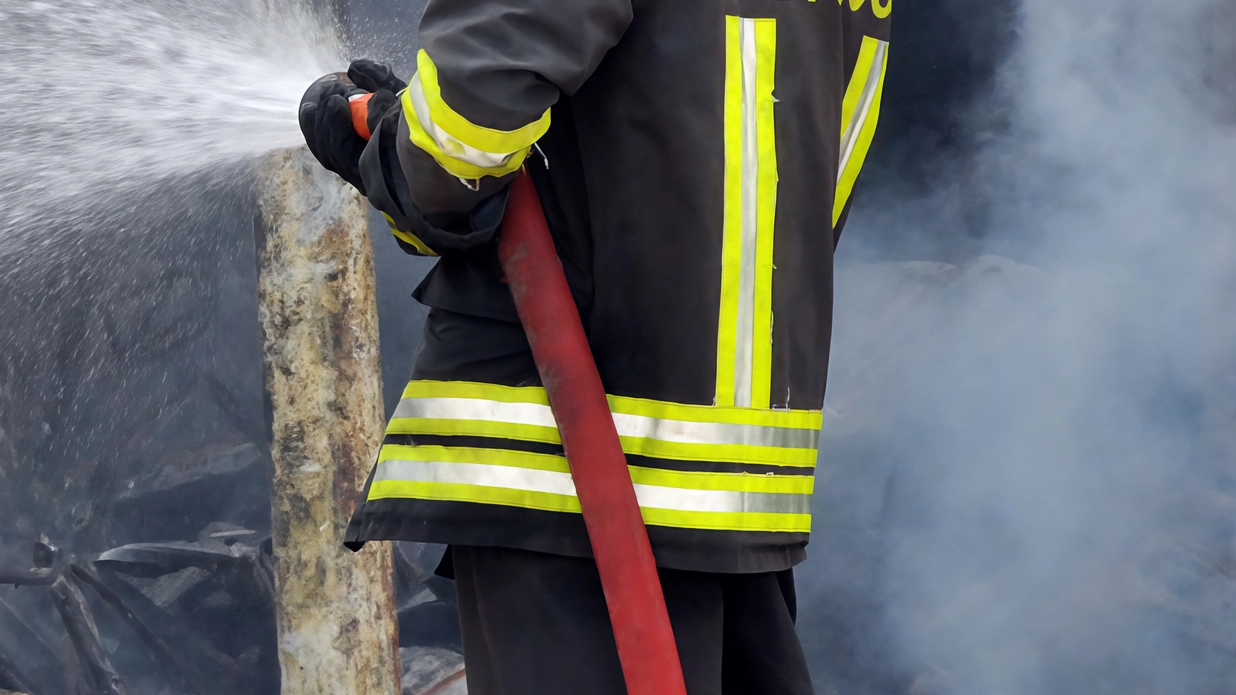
(136, 92)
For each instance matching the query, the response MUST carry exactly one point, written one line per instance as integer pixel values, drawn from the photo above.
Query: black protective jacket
(695, 159)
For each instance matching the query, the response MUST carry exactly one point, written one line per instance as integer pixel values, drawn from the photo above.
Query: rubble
(11, 677)
(188, 615)
(32, 646)
(430, 621)
(78, 621)
(197, 617)
(181, 490)
(432, 671)
(167, 589)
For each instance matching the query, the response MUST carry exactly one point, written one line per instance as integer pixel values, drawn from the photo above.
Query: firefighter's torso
(693, 185)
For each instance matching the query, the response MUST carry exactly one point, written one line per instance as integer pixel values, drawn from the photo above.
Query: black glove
(326, 116)
(382, 82)
(373, 77)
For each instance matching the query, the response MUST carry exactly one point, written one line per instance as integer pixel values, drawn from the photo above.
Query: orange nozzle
(360, 114)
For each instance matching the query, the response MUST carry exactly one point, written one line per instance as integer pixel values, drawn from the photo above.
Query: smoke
(1027, 480)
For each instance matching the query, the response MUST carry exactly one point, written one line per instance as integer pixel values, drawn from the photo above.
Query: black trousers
(536, 624)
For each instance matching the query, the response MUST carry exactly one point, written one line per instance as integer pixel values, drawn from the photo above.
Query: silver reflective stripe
(511, 477)
(476, 409)
(637, 426)
(446, 142)
(683, 432)
(559, 483)
(721, 501)
(744, 350)
(850, 137)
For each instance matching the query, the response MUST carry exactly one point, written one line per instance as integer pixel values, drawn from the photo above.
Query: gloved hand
(326, 115)
(381, 81)
(374, 77)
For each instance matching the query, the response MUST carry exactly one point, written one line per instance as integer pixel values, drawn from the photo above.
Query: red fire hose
(563, 357)
(611, 513)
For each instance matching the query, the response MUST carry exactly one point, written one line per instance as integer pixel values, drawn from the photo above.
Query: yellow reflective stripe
(642, 475)
(744, 331)
(458, 454)
(457, 492)
(545, 432)
(731, 250)
(720, 453)
(474, 428)
(665, 410)
(880, 9)
(733, 482)
(648, 428)
(467, 132)
(761, 350)
(423, 388)
(858, 83)
(790, 419)
(637, 446)
(860, 112)
(743, 521)
(408, 238)
(677, 498)
(543, 501)
(452, 162)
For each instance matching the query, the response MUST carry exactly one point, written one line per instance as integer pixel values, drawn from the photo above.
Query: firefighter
(696, 161)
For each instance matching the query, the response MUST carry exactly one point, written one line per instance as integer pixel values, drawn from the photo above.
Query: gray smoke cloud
(1026, 482)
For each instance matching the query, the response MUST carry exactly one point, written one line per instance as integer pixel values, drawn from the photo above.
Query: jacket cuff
(380, 174)
(464, 219)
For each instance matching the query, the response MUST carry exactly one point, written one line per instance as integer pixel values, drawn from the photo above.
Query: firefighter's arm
(865, 41)
(486, 79)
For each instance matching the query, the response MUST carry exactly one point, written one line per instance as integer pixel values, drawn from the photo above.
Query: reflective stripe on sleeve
(408, 238)
(460, 160)
(464, 149)
(732, 501)
(467, 132)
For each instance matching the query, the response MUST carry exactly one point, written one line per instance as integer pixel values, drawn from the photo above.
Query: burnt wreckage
(187, 617)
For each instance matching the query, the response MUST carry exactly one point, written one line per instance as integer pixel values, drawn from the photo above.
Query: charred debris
(187, 617)
(157, 576)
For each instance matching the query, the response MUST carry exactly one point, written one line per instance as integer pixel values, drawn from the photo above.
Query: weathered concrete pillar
(336, 614)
